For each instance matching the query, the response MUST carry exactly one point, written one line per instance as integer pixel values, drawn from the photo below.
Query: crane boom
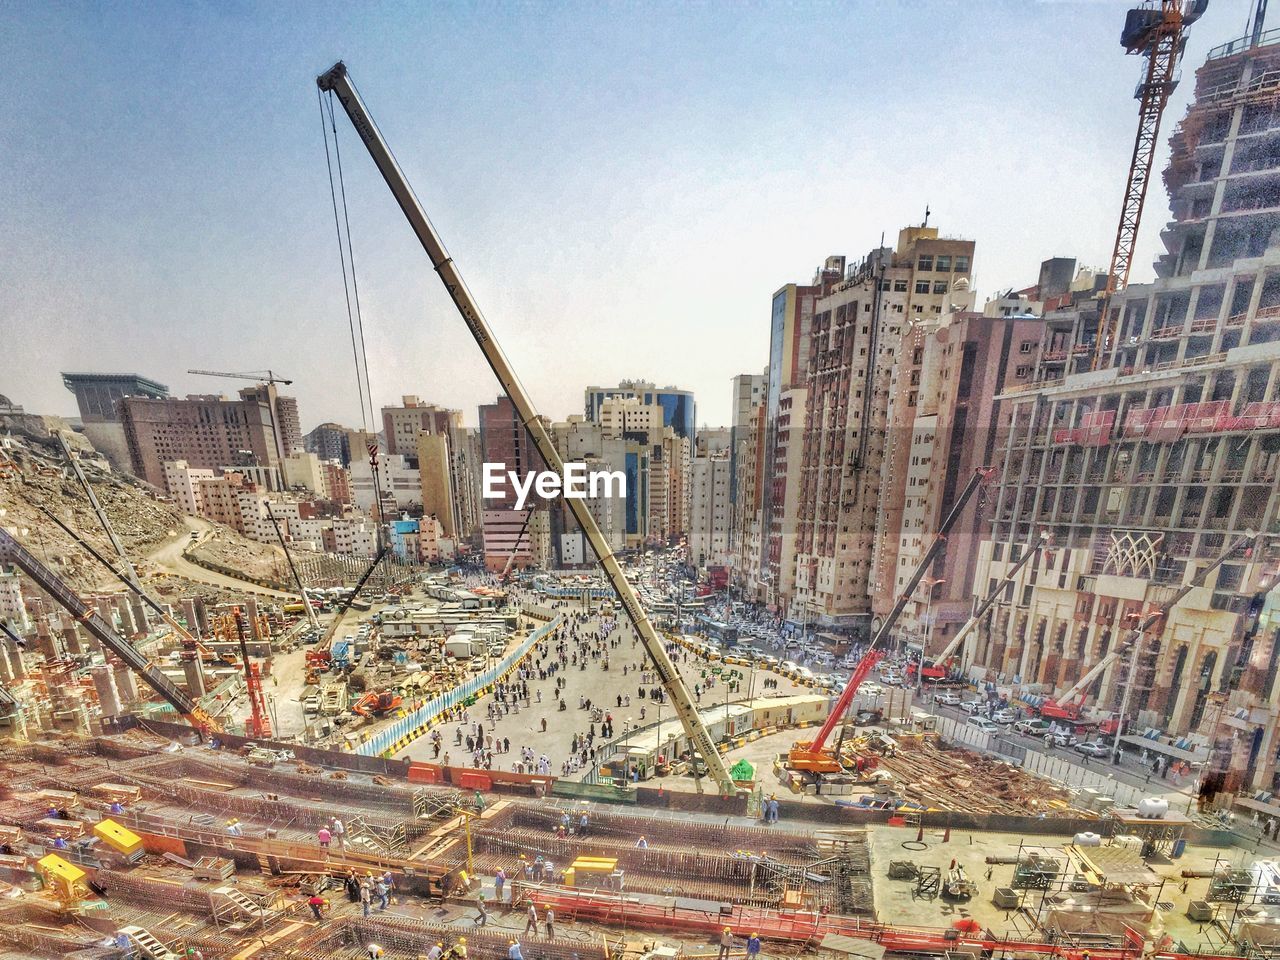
(810, 755)
(250, 375)
(1158, 37)
(11, 551)
(987, 603)
(130, 574)
(337, 82)
(297, 577)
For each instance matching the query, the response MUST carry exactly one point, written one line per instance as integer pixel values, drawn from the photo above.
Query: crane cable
(355, 318)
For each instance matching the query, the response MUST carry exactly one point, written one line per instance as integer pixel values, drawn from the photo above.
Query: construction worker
(459, 950)
(366, 897)
(317, 904)
(375, 952)
(436, 952)
(753, 946)
(339, 832)
(499, 880)
(482, 915)
(514, 952)
(642, 844)
(726, 942)
(531, 919)
(549, 915)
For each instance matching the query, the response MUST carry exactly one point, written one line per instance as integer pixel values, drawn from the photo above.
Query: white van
(983, 724)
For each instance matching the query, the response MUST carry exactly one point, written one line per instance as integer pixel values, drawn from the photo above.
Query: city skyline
(120, 201)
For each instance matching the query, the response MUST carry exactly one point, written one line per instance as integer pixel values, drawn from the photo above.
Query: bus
(718, 630)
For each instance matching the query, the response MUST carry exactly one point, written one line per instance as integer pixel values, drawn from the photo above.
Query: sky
(623, 185)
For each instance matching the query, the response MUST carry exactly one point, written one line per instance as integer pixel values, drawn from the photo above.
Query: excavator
(375, 704)
(1069, 707)
(813, 756)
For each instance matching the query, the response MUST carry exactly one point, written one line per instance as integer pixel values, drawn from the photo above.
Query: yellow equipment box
(117, 837)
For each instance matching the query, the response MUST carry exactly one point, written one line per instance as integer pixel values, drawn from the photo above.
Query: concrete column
(141, 616)
(127, 626)
(105, 611)
(189, 615)
(194, 671)
(202, 617)
(6, 666)
(105, 685)
(251, 612)
(125, 683)
(15, 661)
(71, 637)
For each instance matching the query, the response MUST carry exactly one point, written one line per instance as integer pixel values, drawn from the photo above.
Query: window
(900, 286)
(925, 262)
(919, 309)
(922, 286)
(944, 264)
(1025, 346)
(940, 286)
(962, 264)
(1022, 372)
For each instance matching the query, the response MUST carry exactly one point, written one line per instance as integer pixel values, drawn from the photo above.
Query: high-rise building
(508, 531)
(710, 512)
(211, 432)
(679, 412)
(749, 391)
(97, 398)
(1145, 469)
(790, 318)
(329, 441)
(855, 439)
(401, 425)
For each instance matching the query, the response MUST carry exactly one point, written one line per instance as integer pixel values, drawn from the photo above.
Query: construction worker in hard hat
(726, 942)
(436, 952)
(753, 946)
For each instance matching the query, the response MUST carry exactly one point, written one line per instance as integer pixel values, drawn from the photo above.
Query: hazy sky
(623, 185)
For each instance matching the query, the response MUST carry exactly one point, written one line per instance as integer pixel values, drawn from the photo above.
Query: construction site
(222, 747)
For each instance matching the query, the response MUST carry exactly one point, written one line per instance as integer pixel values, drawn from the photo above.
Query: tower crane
(261, 376)
(813, 756)
(1155, 31)
(336, 82)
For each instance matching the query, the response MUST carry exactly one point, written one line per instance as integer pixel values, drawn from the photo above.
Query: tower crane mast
(1155, 31)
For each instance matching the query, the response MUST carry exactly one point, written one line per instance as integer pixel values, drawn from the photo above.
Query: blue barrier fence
(408, 728)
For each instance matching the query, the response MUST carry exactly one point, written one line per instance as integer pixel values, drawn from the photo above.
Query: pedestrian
(726, 943)
(482, 915)
(549, 915)
(753, 946)
(317, 904)
(531, 919)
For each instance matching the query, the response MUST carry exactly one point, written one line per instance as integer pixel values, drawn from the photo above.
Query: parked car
(1060, 739)
(1032, 728)
(1094, 748)
(871, 689)
(891, 679)
(1004, 716)
(983, 724)
(972, 706)
(948, 699)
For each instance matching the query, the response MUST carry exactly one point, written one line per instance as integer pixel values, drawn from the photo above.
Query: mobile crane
(812, 756)
(337, 83)
(942, 662)
(1068, 706)
(11, 551)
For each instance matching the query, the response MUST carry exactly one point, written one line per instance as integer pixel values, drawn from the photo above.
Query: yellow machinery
(64, 880)
(124, 842)
(590, 866)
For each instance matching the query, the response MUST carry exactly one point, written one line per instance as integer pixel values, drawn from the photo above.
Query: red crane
(1155, 31)
(259, 726)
